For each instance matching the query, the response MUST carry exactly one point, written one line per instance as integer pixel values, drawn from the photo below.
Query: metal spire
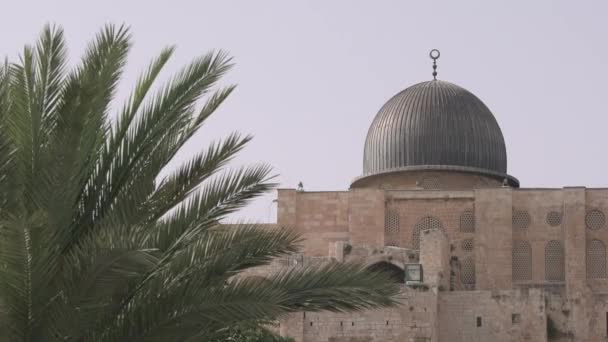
(434, 54)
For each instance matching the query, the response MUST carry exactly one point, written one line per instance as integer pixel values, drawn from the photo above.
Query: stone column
(577, 294)
(336, 250)
(435, 258)
(493, 239)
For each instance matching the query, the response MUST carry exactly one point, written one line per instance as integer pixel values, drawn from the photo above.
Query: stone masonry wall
(598, 318)
(493, 234)
(366, 212)
(559, 327)
(320, 217)
(497, 316)
(350, 226)
(596, 200)
(409, 322)
(414, 206)
(577, 292)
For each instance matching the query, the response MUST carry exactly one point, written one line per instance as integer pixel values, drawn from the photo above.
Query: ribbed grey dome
(435, 125)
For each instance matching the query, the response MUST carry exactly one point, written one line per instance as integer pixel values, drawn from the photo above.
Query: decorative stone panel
(391, 228)
(430, 183)
(467, 221)
(467, 272)
(467, 245)
(595, 219)
(596, 259)
(522, 261)
(521, 220)
(554, 218)
(554, 261)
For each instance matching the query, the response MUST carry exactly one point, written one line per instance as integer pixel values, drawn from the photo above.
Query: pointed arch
(395, 272)
(427, 222)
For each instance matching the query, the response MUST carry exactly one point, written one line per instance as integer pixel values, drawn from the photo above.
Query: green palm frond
(175, 188)
(7, 148)
(102, 238)
(215, 199)
(169, 318)
(152, 139)
(133, 104)
(50, 69)
(220, 255)
(81, 118)
(335, 287)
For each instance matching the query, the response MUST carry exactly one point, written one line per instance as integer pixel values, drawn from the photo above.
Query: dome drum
(450, 178)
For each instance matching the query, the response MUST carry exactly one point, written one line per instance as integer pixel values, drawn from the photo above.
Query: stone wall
(537, 205)
(412, 321)
(497, 316)
(559, 323)
(414, 206)
(366, 217)
(598, 317)
(320, 217)
(596, 204)
(352, 226)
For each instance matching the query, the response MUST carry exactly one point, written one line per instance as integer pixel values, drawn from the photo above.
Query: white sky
(312, 74)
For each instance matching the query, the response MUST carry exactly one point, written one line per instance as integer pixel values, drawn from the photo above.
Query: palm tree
(97, 245)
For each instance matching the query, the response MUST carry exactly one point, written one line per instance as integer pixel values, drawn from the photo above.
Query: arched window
(467, 221)
(554, 261)
(391, 228)
(395, 272)
(522, 261)
(596, 259)
(467, 272)
(427, 222)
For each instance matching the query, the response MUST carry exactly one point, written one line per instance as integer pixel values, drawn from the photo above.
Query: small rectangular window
(478, 321)
(515, 318)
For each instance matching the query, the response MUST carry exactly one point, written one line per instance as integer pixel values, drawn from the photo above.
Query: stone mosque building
(480, 258)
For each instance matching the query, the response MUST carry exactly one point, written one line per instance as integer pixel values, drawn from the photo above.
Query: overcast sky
(312, 74)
